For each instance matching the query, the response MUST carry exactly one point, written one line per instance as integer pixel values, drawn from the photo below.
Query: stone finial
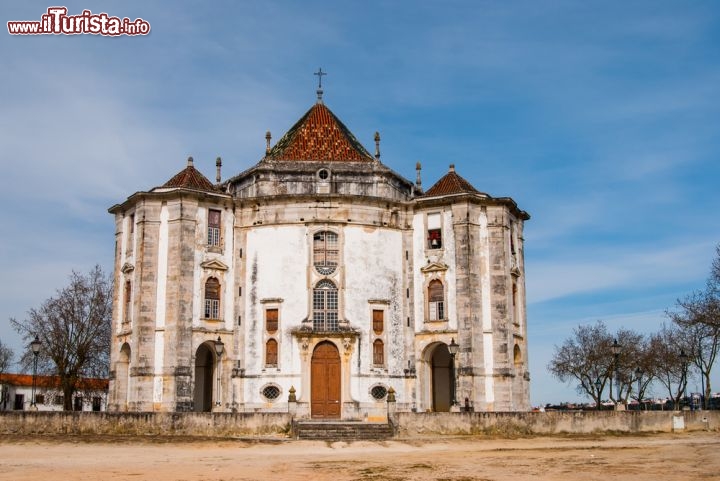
(377, 145)
(218, 166)
(391, 395)
(190, 162)
(452, 168)
(268, 138)
(291, 395)
(418, 180)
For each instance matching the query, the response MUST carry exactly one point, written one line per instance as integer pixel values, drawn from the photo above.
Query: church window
(212, 299)
(271, 392)
(434, 233)
(378, 321)
(271, 353)
(378, 392)
(378, 352)
(127, 295)
(325, 252)
(271, 320)
(213, 227)
(436, 300)
(325, 306)
(132, 223)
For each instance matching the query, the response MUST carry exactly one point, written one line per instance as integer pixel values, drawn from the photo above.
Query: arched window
(378, 352)
(325, 306)
(517, 355)
(325, 252)
(212, 299)
(271, 353)
(436, 301)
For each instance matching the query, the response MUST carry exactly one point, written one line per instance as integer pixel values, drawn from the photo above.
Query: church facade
(318, 280)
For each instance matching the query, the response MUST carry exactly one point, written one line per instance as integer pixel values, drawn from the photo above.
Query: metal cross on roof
(320, 73)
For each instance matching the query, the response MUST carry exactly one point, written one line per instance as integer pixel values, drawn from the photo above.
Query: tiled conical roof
(451, 183)
(189, 178)
(319, 135)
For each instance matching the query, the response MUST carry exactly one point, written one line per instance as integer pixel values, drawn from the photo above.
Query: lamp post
(616, 356)
(35, 347)
(684, 362)
(598, 386)
(638, 374)
(453, 348)
(219, 349)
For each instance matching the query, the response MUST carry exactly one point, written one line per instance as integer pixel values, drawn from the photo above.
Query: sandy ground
(693, 456)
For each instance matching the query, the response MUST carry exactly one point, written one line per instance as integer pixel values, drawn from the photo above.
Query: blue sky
(600, 118)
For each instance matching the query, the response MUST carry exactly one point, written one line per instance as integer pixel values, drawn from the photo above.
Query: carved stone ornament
(127, 268)
(214, 264)
(434, 267)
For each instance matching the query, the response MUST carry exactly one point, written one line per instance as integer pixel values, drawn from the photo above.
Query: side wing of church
(321, 276)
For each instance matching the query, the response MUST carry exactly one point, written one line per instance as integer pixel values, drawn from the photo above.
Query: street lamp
(684, 362)
(219, 349)
(35, 347)
(598, 386)
(453, 347)
(616, 356)
(638, 374)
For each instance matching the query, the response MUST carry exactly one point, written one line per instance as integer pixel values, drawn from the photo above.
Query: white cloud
(636, 267)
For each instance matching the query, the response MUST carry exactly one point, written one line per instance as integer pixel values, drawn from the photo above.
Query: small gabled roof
(319, 135)
(189, 178)
(451, 183)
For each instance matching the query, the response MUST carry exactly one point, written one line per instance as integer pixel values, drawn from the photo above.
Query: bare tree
(631, 357)
(698, 316)
(714, 280)
(74, 328)
(584, 358)
(667, 346)
(6, 357)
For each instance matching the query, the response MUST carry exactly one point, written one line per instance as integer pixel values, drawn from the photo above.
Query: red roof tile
(190, 178)
(451, 183)
(319, 135)
(50, 381)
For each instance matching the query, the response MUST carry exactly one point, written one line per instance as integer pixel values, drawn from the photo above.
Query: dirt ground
(664, 457)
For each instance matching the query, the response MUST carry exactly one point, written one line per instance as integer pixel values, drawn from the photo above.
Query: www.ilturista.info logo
(57, 22)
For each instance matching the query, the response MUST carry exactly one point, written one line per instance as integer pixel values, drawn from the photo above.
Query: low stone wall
(518, 424)
(147, 424)
(407, 425)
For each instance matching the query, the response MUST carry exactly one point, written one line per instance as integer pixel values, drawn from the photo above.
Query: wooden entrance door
(325, 381)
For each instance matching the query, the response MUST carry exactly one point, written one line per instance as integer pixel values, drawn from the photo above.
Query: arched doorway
(441, 378)
(122, 378)
(204, 363)
(325, 381)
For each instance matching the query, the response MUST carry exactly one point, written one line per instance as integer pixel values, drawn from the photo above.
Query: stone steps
(342, 431)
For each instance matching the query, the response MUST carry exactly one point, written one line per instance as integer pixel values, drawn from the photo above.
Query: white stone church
(318, 279)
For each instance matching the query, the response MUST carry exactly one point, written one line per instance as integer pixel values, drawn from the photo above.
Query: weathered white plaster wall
(277, 269)
(488, 361)
(372, 260)
(162, 267)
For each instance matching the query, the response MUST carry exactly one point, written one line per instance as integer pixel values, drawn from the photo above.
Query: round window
(324, 174)
(271, 392)
(378, 392)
